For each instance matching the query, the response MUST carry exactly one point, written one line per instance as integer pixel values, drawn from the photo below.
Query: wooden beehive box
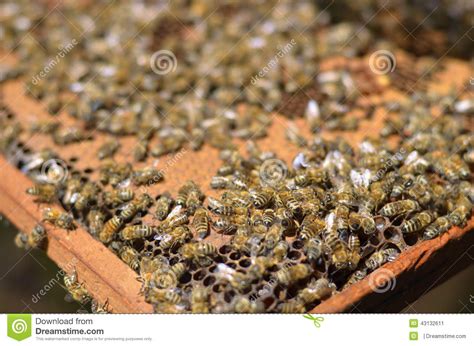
(106, 277)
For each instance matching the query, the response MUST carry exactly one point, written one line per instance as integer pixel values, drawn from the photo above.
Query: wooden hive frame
(106, 277)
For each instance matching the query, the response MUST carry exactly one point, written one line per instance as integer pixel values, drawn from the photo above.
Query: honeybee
(311, 227)
(87, 196)
(418, 222)
(130, 256)
(339, 253)
(293, 135)
(453, 168)
(72, 188)
(461, 212)
(290, 202)
(260, 265)
(378, 258)
(317, 290)
(184, 191)
(372, 200)
(32, 240)
(156, 295)
(167, 145)
(147, 176)
(163, 206)
(280, 250)
(262, 197)
(54, 106)
(115, 246)
(243, 305)
(312, 176)
(313, 248)
(256, 219)
(197, 138)
(236, 279)
(420, 192)
(292, 307)
(168, 277)
(175, 219)
(401, 185)
(140, 150)
(363, 221)
(458, 216)
(169, 308)
(45, 193)
(148, 266)
(76, 289)
(355, 277)
(118, 196)
(97, 308)
(128, 211)
(311, 206)
(220, 208)
(227, 225)
(399, 208)
(291, 275)
(108, 149)
(9, 134)
(201, 223)
(59, 219)
(21, 240)
(341, 213)
(237, 199)
(113, 172)
(70, 135)
(200, 300)
(111, 227)
(44, 127)
(354, 247)
(273, 236)
(137, 232)
(194, 201)
(269, 217)
(240, 240)
(438, 227)
(198, 252)
(175, 238)
(218, 182)
(143, 202)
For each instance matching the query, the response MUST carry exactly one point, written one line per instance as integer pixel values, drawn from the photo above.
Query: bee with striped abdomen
(418, 222)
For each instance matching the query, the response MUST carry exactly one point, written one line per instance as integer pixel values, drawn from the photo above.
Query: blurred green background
(23, 274)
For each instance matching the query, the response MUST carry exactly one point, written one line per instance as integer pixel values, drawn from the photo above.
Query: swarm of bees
(336, 215)
(290, 236)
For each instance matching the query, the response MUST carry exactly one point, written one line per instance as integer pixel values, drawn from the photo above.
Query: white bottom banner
(228, 330)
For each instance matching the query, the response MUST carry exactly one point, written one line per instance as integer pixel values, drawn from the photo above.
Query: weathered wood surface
(104, 274)
(415, 272)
